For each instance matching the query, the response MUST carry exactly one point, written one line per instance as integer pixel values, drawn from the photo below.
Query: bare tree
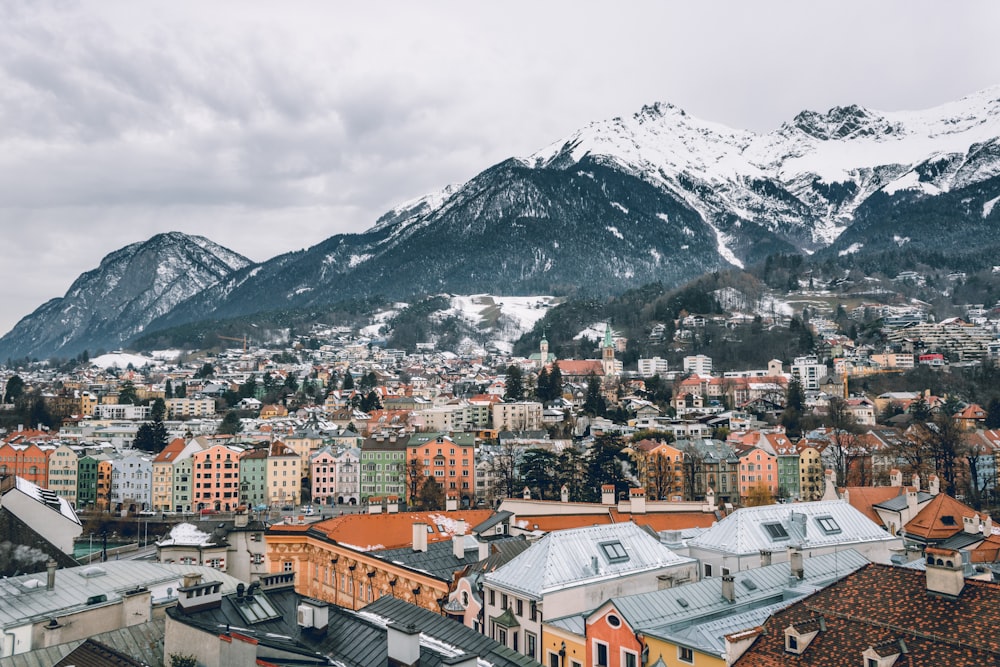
(504, 466)
(943, 441)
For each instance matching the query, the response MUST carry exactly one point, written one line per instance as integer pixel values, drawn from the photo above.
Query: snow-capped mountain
(657, 197)
(112, 303)
(803, 181)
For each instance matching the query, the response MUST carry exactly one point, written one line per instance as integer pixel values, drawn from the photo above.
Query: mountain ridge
(660, 196)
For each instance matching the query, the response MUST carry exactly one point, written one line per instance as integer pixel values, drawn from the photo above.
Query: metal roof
(566, 558)
(144, 642)
(899, 503)
(805, 525)
(703, 600)
(25, 599)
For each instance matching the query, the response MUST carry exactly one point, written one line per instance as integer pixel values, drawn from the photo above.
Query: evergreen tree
(151, 437)
(555, 382)
(431, 495)
(127, 394)
(181, 391)
(231, 424)
(542, 386)
(15, 389)
(514, 384)
(206, 371)
(291, 383)
(348, 383)
(158, 410)
(993, 414)
(168, 389)
(594, 404)
(371, 401)
(608, 464)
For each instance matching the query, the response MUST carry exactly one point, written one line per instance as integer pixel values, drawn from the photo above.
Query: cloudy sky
(269, 126)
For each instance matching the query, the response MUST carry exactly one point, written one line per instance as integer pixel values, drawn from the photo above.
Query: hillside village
(515, 509)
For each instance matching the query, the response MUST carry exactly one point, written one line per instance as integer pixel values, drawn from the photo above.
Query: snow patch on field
(853, 248)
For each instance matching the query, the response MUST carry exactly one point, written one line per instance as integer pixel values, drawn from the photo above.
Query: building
(269, 623)
(809, 372)
(284, 475)
(572, 570)
(449, 458)
(64, 605)
(186, 408)
(235, 546)
(164, 465)
(701, 623)
(131, 482)
(698, 364)
(27, 461)
(64, 472)
(758, 469)
(253, 478)
(383, 466)
(654, 366)
(48, 514)
(883, 615)
(519, 416)
(216, 477)
(753, 535)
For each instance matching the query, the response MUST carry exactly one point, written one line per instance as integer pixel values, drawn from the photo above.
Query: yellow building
(561, 644)
(63, 463)
(284, 475)
(812, 483)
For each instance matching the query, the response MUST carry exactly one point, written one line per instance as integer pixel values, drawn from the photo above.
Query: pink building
(758, 467)
(216, 478)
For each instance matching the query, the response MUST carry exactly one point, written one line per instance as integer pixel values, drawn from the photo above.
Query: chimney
(241, 519)
(484, 549)
(710, 499)
(526, 493)
(945, 574)
(971, 525)
(729, 587)
(765, 557)
(458, 540)
(830, 490)
(795, 562)
(916, 481)
(895, 477)
(933, 485)
(420, 537)
(50, 582)
(637, 498)
(464, 660)
(607, 494)
(564, 494)
(404, 645)
(911, 504)
(801, 520)
(392, 505)
(987, 524)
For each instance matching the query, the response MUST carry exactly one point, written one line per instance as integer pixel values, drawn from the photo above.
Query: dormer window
(828, 525)
(614, 552)
(799, 635)
(775, 531)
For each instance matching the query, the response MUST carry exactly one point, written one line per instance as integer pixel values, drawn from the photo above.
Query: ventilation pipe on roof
(50, 582)
(729, 587)
(458, 540)
(420, 537)
(795, 561)
(403, 645)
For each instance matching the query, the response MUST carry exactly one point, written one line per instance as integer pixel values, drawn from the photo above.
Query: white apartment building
(698, 364)
(123, 411)
(651, 367)
(520, 416)
(809, 372)
(178, 408)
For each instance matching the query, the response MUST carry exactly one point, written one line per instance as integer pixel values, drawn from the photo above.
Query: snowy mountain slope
(131, 287)
(804, 180)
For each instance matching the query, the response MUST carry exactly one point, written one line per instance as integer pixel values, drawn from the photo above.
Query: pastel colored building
(216, 477)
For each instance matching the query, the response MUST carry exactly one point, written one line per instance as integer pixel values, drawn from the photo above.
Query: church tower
(608, 351)
(543, 352)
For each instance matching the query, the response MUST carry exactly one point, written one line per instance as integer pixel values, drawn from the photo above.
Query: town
(515, 510)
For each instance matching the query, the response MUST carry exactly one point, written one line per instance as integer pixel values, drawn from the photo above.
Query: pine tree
(515, 384)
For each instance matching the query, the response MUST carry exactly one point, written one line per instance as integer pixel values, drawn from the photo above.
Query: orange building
(26, 461)
(104, 470)
(332, 563)
(660, 468)
(216, 473)
(450, 459)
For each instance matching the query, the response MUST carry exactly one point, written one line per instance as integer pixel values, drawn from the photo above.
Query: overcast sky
(270, 126)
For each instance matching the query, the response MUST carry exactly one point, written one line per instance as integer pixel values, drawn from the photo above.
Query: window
(828, 525)
(629, 659)
(614, 552)
(614, 621)
(493, 598)
(503, 600)
(502, 636)
(600, 654)
(776, 531)
(529, 644)
(708, 569)
(684, 654)
(520, 607)
(287, 567)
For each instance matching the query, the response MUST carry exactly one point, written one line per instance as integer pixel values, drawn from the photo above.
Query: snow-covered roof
(47, 497)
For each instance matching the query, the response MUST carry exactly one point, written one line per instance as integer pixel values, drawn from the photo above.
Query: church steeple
(608, 351)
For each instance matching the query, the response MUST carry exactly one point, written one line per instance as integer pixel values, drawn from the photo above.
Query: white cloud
(268, 127)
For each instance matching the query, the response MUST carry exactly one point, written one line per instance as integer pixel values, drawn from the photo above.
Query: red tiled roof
(862, 498)
(933, 524)
(879, 604)
(393, 531)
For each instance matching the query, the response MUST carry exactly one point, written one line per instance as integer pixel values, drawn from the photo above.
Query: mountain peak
(846, 122)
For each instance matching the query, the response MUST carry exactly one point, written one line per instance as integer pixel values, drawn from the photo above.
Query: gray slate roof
(353, 639)
(565, 558)
(439, 559)
(898, 503)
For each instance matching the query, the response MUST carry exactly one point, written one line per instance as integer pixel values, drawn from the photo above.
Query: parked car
(207, 511)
